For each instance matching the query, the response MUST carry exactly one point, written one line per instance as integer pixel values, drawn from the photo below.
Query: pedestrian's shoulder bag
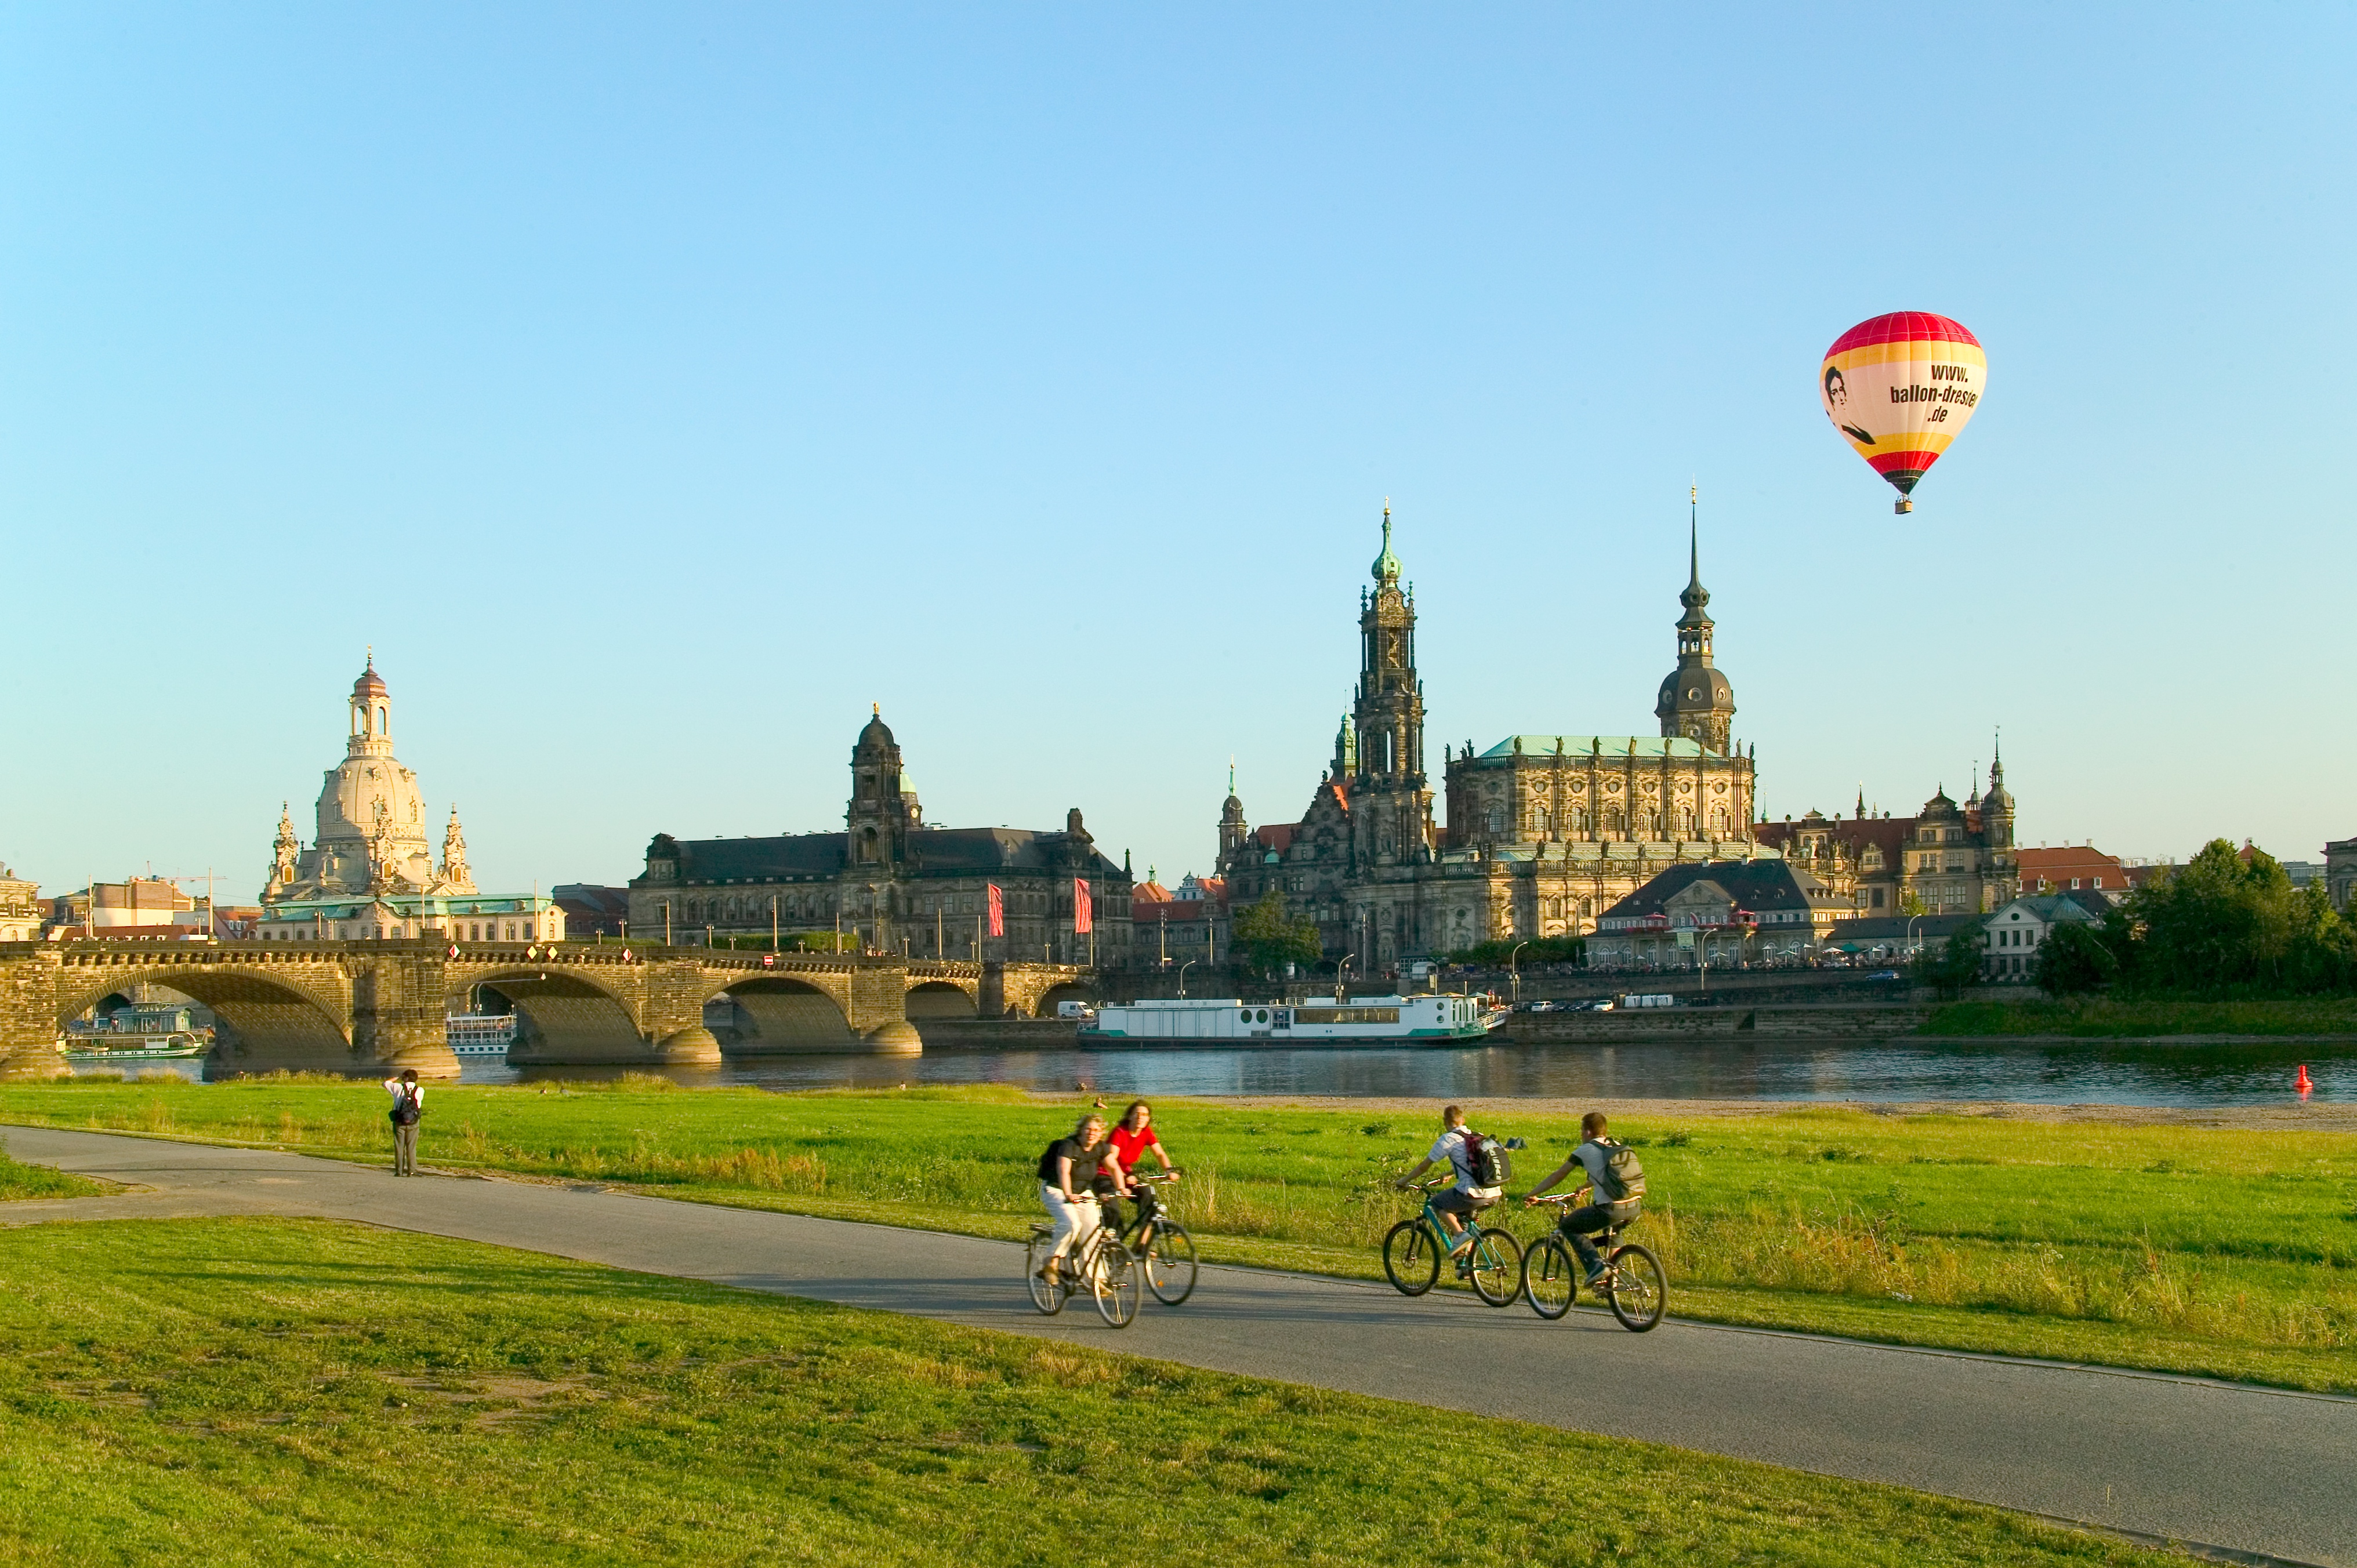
(407, 1110)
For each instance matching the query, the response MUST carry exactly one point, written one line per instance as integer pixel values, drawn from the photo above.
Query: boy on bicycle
(1468, 1198)
(1593, 1156)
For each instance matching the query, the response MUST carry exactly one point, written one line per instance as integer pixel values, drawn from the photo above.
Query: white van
(1079, 1010)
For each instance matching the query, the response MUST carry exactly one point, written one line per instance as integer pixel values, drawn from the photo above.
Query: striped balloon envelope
(1899, 388)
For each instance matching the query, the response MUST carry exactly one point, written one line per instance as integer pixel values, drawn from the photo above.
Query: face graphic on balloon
(1837, 406)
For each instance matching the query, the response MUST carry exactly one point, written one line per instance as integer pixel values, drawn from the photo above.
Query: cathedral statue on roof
(370, 870)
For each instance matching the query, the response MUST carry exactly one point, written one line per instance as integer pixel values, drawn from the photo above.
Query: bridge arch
(930, 999)
(271, 1017)
(561, 1013)
(1063, 991)
(777, 1015)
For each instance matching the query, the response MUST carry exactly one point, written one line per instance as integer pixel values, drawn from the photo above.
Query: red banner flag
(998, 910)
(1082, 924)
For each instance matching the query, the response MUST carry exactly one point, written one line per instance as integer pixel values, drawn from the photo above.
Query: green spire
(1387, 565)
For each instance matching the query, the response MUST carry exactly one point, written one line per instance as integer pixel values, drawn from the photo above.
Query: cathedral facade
(1544, 831)
(890, 882)
(369, 872)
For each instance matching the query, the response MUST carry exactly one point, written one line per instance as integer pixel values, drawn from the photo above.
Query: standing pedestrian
(408, 1106)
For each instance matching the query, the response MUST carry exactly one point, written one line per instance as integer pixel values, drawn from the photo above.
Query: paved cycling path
(2244, 1469)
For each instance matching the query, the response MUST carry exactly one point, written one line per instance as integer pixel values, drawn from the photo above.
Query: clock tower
(1391, 808)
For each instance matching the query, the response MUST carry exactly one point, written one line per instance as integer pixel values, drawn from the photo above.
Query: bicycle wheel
(1550, 1279)
(1049, 1298)
(1497, 1268)
(1637, 1288)
(1113, 1277)
(1410, 1259)
(1169, 1259)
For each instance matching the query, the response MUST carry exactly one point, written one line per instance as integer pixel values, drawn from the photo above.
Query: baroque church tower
(883, 806)
(1697, 702)
(1391, 808)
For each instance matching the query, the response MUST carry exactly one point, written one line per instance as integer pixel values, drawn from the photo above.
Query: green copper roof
(1610, 746)
(1387, 565)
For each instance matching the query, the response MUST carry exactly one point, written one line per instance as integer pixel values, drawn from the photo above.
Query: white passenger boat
(1441, 1019)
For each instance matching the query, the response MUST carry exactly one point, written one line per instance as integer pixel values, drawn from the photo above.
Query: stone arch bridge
(367, 1005)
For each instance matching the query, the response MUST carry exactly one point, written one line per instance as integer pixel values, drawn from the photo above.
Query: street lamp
(1339, 965)
(1513, 974)
(1910, 932)
(1182, 976)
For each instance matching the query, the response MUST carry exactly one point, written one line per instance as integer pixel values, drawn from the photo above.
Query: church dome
(1697, 688)
(876, 737)
(370, 684)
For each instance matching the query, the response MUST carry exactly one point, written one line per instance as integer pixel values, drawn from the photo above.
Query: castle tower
(877, 812)
(1391, 810)
(1695, 700)
(1233, 830)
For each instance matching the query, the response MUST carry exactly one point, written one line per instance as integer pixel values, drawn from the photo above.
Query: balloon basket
(1902, 506)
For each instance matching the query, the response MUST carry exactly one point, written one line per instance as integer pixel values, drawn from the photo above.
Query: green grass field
(277, 1393)
(2227, 1253)
(37, 1181)
(2107, 1018)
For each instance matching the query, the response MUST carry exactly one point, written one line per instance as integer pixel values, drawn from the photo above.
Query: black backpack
(1487, 1160)
(407, 1110)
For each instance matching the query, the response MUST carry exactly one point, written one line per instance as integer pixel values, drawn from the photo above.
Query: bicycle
(1413, 1248)
(1163, 1248)
(1633, 1282)
(1105, 1268)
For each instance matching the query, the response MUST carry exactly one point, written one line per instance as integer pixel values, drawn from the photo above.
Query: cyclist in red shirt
(1131, 1138)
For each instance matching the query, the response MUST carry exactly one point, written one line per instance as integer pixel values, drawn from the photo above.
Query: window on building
(1497, 821)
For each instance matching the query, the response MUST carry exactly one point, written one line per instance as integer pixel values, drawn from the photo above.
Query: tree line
(2221, 925)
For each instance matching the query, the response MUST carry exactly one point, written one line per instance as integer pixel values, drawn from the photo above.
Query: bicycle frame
(1439, 1228)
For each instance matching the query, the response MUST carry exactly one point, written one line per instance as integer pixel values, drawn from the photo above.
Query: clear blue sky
(656, 387)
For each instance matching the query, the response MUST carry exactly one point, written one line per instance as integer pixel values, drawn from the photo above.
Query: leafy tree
(2074, 960)
(1538, 950)
(1954, 963)
(1271, 939)
(1911, 903)
(2216, 923)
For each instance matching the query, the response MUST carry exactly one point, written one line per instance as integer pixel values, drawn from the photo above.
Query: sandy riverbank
(2330, 1116)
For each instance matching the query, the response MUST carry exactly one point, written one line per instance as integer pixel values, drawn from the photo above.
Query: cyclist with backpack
(1615, 1188)
(1481, 1169)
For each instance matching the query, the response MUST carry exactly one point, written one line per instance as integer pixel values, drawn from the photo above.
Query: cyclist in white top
(1467, 1197)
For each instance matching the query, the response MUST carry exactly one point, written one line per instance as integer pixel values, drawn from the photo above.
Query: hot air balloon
(1899, 388)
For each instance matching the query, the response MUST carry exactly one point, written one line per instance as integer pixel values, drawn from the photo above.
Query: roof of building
(1608, 746)
(1885, 834)
(2085, 906)
(1171, 910)
(591, 899)
(2069, 863)
(1277, 836)
(1901, 927)
(1149, 892)
(930, 850)
(1757, 885)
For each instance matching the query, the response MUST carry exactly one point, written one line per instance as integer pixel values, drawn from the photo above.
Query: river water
(2100, 1072)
